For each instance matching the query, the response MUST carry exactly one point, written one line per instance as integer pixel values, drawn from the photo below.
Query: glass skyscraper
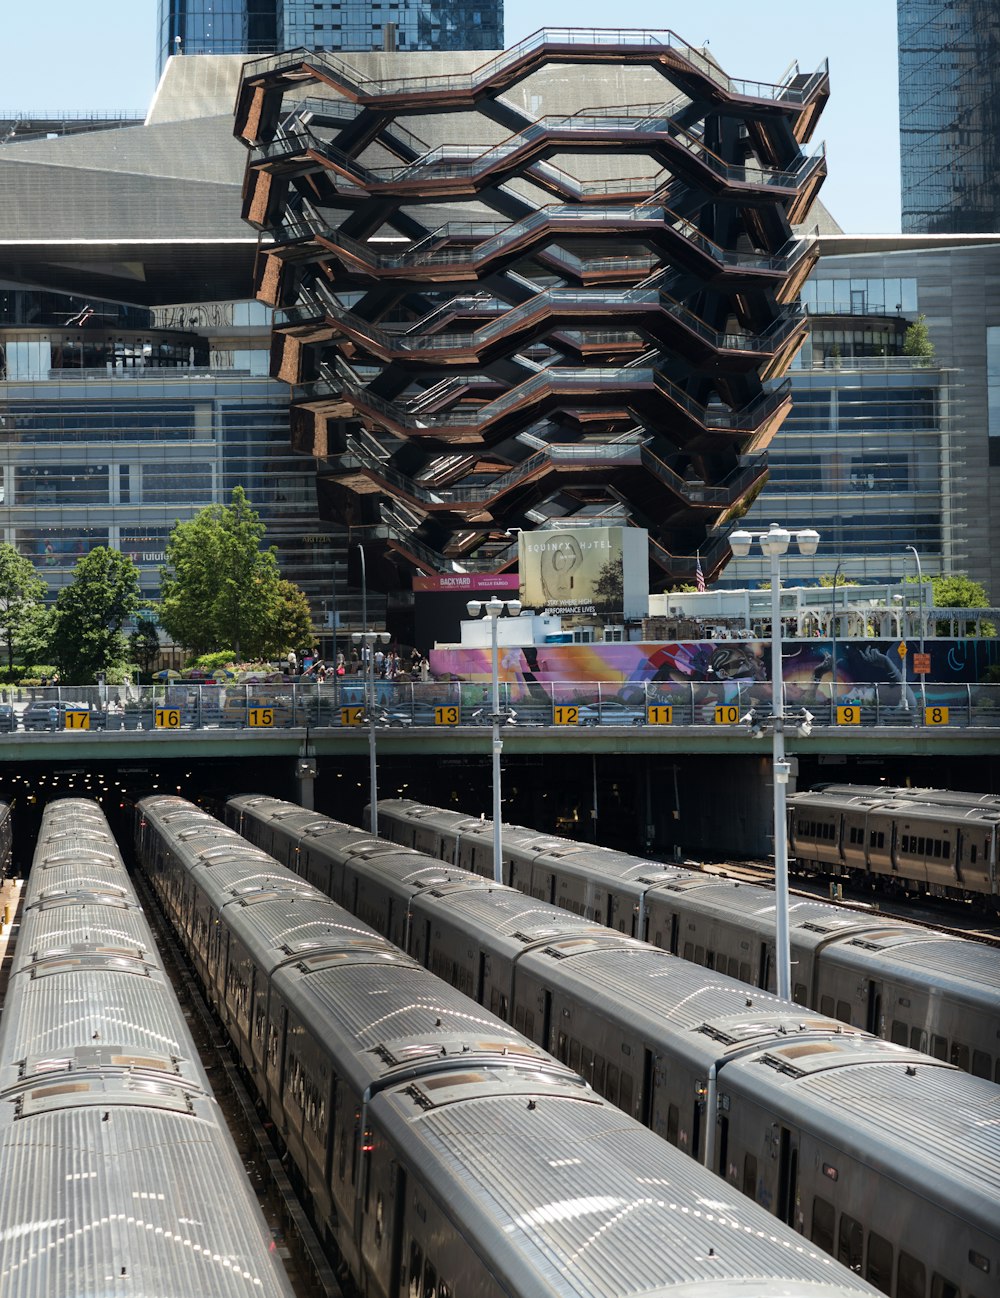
(949, 115)
(265, 26)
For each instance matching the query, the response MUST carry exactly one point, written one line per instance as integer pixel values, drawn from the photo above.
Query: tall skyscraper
(264, 26)
(949, 115)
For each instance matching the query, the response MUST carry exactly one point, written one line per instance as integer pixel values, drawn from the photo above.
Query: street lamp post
(774, 543)
(833, 654)
(370, 639)
(493, 609)
(920, 582)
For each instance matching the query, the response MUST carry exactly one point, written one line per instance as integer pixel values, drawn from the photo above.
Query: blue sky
(71, 55)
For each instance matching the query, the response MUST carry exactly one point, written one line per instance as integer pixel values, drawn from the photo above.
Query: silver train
(938, 994)
(917, 841)
(119, 1174)
(444, 1153)
(875, 1153)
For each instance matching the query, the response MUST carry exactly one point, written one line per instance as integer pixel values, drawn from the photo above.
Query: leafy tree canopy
(609, 588)
(90, 612)
(826, 579)
(22, 614)
(917, 340)
(221, 588)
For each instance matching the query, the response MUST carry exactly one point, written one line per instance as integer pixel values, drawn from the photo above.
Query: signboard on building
(600, 570)
(467, 581)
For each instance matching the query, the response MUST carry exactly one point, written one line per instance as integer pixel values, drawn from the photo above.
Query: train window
(625, 1100)
(673, 1122)
(612, 1091)
(843, 1011)
(881, 838)
(574, 1055)
(911, 1278)
(734, 966)
(744, 971)
(599, 1066)
(587, 1064)
(824, 1219)
(826, 1006)
(898, 1033)
(749, 1176)
(800, 996)
(879, 1270)
(562, 1047)
(416, 1268)
(918, 1040)
(904, 842)
(850, 1242)
(519, 1019)
(430, 1281)
(529, 1024)
(939, 1047)
(960, 1055)
(699, 955)
(942, 1288)
(921, 846)
(688, 950)
(972, 854)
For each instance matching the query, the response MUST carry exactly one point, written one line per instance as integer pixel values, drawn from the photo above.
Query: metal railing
(339, 703)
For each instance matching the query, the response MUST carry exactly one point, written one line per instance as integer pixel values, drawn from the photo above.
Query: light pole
(774, 543)
(370, 639)
(364, 586)
(833, 655)
(920, 581)
(493, 609)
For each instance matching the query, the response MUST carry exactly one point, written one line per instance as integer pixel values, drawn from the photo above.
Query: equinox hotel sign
(585, 570)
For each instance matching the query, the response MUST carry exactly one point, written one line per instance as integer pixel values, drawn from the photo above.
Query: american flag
(699, 576)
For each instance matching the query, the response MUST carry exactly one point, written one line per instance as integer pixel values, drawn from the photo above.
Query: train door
(675, 933)
(648, 1084)
(788, 1178)
(546, 1019)
(959, 848)
(873, 1019)
(398, 1209)
(765, 966)
(481, 977)
(611, 917)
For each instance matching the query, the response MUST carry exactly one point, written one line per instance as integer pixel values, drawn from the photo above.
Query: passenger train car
(931, 841)
(119, 1174)
(446, 1155)
(874, 1152)
(910, 985)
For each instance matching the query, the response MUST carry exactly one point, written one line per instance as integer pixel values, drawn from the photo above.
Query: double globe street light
(494, 609)
(774, 543)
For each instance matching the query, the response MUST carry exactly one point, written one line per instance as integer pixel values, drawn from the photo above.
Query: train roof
(544, 1231)
(935, 959)
(505, 917)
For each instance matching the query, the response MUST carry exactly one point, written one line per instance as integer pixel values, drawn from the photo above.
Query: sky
(75, 56)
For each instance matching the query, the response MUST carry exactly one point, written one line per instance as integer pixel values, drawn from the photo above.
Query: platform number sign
(260, 716)
(849, 715)
(167, 719)
(728, 714)
(352, 716)
(659, 714)
(935, 716)
(447, 716)
(77, 719)
(566, 716)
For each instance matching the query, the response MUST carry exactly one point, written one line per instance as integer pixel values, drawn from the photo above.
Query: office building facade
(265, 26)
(949, 115)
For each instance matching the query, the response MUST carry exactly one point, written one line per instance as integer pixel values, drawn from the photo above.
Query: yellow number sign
(935, 716)
(77, 720)
(727, 715)
(168, 719)
(659, 715)
(565, 716)
(260, 717)
(447, 716)
(849, 715)
(351, 716)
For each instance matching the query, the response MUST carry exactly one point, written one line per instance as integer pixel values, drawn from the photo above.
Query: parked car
(47, 714)
(611, 712)
(8, 718)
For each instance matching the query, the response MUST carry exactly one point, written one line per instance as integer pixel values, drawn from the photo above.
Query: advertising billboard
(600, 570)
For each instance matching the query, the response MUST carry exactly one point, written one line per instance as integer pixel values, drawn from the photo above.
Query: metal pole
(782, 954)
(493, 613)
(920, 581)
(833, 658)
(372, 767)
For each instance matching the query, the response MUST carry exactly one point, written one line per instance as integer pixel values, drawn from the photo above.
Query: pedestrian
(293, 663)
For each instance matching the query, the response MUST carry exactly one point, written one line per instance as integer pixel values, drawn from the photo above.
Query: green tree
(917, 340)
(956, 590)
(144, 644)
(221, 588)
(22, 593)
(826, 579)
(291, 624)
(609, 588)
(90, 613)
